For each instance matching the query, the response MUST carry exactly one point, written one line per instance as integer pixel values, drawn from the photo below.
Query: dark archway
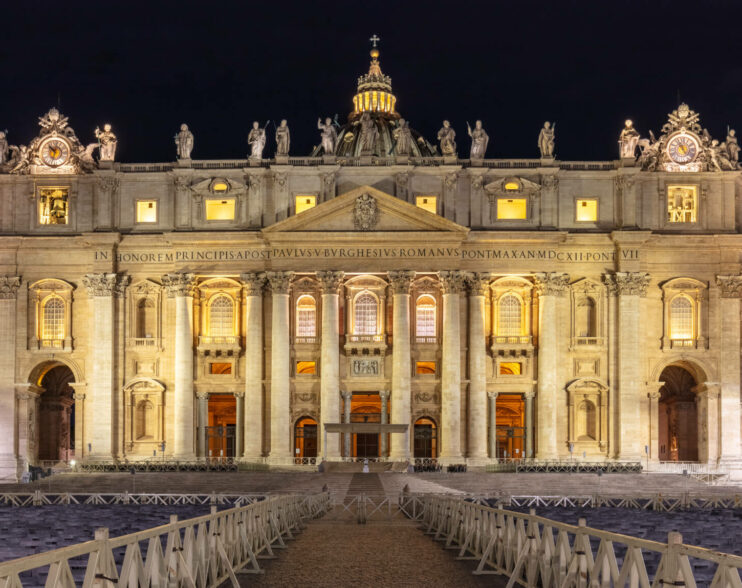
(425, 438)
(56, 417)
(678, 415)
(305, 437)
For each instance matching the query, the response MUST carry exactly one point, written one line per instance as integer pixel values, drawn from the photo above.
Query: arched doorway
(305, 438)
(678, 415)
(426, 438)
(56, 414)
(221, 432)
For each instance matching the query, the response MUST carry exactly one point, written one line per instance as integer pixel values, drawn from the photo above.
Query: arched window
(681, 318)
(306, 317)
(585, 320)
(365, 315)
(425, 316)
(52, 324)
(146, 318)
(145, 420)
(221, 316)
(510, 315)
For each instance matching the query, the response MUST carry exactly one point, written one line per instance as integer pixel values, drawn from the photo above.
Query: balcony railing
(143, 342)
(365, 338)
(306, 340)
(51, 343)
(223, 341)
(426, 340)
(683, 343)
(511, 340)
(589, 340)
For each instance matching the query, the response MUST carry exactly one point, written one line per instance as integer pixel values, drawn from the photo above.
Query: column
(528, 396)
(450, 441)
(492, 398)
(239, 440)
(254, 413)
(384, 395)
(708, 415)
(612, 345)
(478, 288)
(8, 292)
(203, 422)
(181, 286)
(347, 397)
(101, 289)
(330, 361)
(631, 287)
(729, 396)
(280, 358)
(401, 363)
(27, 403)
(550, 286)
(653, 394)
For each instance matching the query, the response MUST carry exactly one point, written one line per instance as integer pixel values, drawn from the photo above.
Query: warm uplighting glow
(219, 187)
(146, 211)
(428, 203)
(53, 206)
(305, 368)
(587, 210)
(510, 368)
(681, 318)
(220, 369)
(305, 202)
(512, 208)
(682, 204)
(220, 209)
(512, 186)
(425, 368)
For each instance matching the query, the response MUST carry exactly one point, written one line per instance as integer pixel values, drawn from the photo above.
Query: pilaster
(729, 362)
(254, 413)
(8, 293)
(330, 281)
(401, 363)
(477, 404)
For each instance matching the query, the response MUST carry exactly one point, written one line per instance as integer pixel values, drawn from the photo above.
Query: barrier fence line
(536, 551)
(203, 551)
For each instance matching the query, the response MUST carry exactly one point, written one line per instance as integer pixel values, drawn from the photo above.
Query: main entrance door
(221, 434)
(367, 445)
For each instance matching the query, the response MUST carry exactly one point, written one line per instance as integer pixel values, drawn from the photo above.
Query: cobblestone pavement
(377, 554)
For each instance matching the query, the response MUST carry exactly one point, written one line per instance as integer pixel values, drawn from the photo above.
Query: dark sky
(147, 67)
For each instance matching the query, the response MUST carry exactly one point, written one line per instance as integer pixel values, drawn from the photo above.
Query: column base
(11, 468)
(445, 460)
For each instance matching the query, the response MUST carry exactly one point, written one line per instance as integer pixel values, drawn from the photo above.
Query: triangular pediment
(366, 209)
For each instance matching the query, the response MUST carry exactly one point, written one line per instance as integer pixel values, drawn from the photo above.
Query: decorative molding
(426, 398)
(254, 283)
(400, 281)
(453, 281)
(479, 283)
(450, 180)
(551, 283)
(280, 282)
(106, 284)
(497, 189)
(330, 281)
(280, 180)
(365, 213)
(730, 286)
(632, 283)
(550, 182)
(179, 284)
(108, 184)
(9, 287)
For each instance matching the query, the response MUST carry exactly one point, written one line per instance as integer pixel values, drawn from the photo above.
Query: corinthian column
(453, 285)
(549, 286)
(478, 287)
(254, 412)
(729, 343)
(8, 291)
(401, 367)
(330, 361)
(181, 286)
(631, 287)
(101, 289)
(280, 357)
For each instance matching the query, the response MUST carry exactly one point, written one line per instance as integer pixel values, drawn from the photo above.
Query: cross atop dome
(374, 89)
(375, 39)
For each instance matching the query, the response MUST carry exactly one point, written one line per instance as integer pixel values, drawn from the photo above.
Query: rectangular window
(53, 206)
(429, 203)
(512, 208)
(222, 209)
(510, 368)
(423, 368)
(146, 211)
(682, 204)
(305, 202)
(587, 210)
(306, 368)
(220, 369)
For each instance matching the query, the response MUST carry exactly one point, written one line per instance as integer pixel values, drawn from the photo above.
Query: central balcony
(220, 345)
(365, 344)
(512, 345)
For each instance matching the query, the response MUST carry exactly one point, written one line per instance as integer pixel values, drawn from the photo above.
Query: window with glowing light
(366, 310)
(221, 316)
(146, 211)
(306, 368)
(512, 209)
(681, 318)
(53, 206)
(512, 186)
(510, 368)
(682, 204)
(52, 323)
(305, 202)
(425, 316)
(220, 209)
(306, 317)
(219, 187)
(510, 316)
(425, 368)
(428, 203)
(587, 210)
(220, 369)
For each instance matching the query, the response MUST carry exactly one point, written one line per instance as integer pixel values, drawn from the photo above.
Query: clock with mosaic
(54, 151)
(682, 148)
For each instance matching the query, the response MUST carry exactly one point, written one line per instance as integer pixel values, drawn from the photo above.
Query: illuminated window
(365, 316)
(512, 208)
(682, 204)
(428, 203)
(510, 314)
(305, 202)
(306, 368)
(511, 368)
(587, 211)
(53, 206)
(146, 211)
(221, 316)
(423, 368)
(306, 317)
(220, 209)
(681, 318)
(512, 186)
(52, 325)
(219, 187)
(220, 369)
(425, 316)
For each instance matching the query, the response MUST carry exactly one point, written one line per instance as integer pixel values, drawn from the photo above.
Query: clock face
(54, 152)
(682, 148)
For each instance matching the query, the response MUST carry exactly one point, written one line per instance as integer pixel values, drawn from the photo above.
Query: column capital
(453, 281)
(346, 394)
(106, 284)
(478, 282)
(280, 282)
(653, 390)
(711, 390)
(9, 287)
(530, 395)
(202, 395)
(254, 283)
(384, 394)
(179, 284)
(239, 394)
(631, 283)
(610, 284)
(493, 395)
(551, 283)
(400, 281)
(330, 281)
(730, 286)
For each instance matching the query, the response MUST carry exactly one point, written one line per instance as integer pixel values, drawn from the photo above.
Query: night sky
(147, 67)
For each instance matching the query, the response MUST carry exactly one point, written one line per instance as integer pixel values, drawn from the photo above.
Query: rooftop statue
(3, 148)
(403, 138)
(283, 139)
(184, 142)
(732, 148)
(447, 137)
(256, 140)
(329, 136)
(628, 141)
(107, 141)
(546, 140)
(479, 140)
(369, 134)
